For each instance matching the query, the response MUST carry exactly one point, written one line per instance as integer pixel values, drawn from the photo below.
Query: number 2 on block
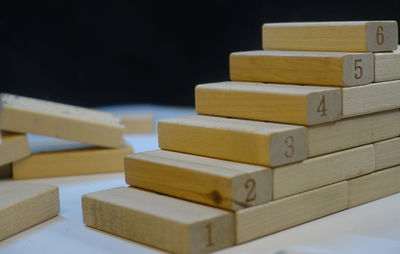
(322, 107)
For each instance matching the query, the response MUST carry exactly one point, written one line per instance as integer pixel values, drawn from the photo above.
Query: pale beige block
(387, 153)
(5, 171)
(13, 147)
(292, 104)
(322, 170)
(224, 184)
(355, 36)
(262, 143)
(262, 220)
(138, 124)
(23, 205)
(28, 115)
(163, 222)
(374, 186)
(387, 66)
(303, 67)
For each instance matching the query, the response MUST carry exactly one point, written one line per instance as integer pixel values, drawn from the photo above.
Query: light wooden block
(23, 205)
(262, 220)
(138, 124)
(52, 158)
(224, 184)
(293, 104)
(387, 153)
(358, 36)
(374, 186)
(387, 66)
(170, 224)
(5, 171)
(262, 143)
(13, 147)
(352, 132)
(28, 115)
(303, 67)
(323, 170)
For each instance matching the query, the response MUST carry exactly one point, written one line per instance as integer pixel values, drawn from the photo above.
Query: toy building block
(387, 66)
(387, 153)
(13, 147)
(138, 124)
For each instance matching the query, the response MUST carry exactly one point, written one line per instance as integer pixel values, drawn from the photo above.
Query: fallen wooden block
(13, 147)
(303, 67)
(357, 36)
(5, 171)
(23, 205)
(54, 158)
(170, 224)
(262, 220)
(262, 143)
(28, 115)
(138, 124)
(387, 153)
(223, 184)
(387, 66)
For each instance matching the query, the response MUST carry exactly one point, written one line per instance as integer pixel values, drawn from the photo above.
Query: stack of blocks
(309, 126)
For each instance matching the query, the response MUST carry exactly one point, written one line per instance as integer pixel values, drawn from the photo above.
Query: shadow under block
(138, 124)
(303, 67)
(262, 143)
(292, 104)
(387, 66)
(5, 171)
(387, 153)
(63, 158)
(163, 222)
(23, 205)
(224, 184)
(358, 36)
(262, 220)
(13, 147)
(374, 186)
(28, 115)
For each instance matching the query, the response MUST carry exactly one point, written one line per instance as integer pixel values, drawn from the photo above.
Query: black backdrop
(94, 53)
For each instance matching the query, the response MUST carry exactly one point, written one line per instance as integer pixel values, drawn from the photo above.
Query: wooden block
(23, 205)
(54, 158)
(223, 184)
(374, 186)
(277, 215)
(387, 153)
(163, 222)
(5, 171)
(262, 143)
(293, 104)
(138, 124)
(27, 115)
(387, 66)
(358, 36)
(303, 67)
(13, 147)
(352, 132)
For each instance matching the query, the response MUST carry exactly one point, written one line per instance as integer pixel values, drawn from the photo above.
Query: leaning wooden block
(387, 153)
(23, 205)
(303, 67)
(223, 184)
(138, 124)
(374, 186)
(5, 171)
(13, 147)
(358, 36)
(293, 104)
(262, 143)
(277, 215)
(387, 66)
(27, 115)
(163, 222)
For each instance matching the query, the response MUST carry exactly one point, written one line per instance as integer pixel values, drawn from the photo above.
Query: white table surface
(371, 228)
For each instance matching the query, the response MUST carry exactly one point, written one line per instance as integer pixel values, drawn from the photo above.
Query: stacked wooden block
(296, 136)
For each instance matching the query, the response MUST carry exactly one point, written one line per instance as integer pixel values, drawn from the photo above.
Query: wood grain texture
(387, 66)
(323, 170)
(359, 36)
(13, 147)
(163, 222)
(387, 153)
(374, 186)
(23, 205)
(28, 115)
(262, 220)
(5, 171)
(292, 104)
(262, 143)
(138, 124)
(224, 184)
(303, 67)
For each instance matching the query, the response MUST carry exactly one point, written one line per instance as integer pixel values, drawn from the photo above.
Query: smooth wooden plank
(28, 115)
(23, 205)
(322, 170)
(387, 153)
(52, 158)
(224, 184)
(353, 36)
(262, 143)
(138, 124)
(352, 132)
(387, 66)
(303, 67)
(262, 220)
(374, 186)
(292, 104)
(5, 171)
(13, 147)
(163, 222)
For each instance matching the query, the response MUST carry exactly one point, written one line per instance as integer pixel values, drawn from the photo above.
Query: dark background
(93, 53)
